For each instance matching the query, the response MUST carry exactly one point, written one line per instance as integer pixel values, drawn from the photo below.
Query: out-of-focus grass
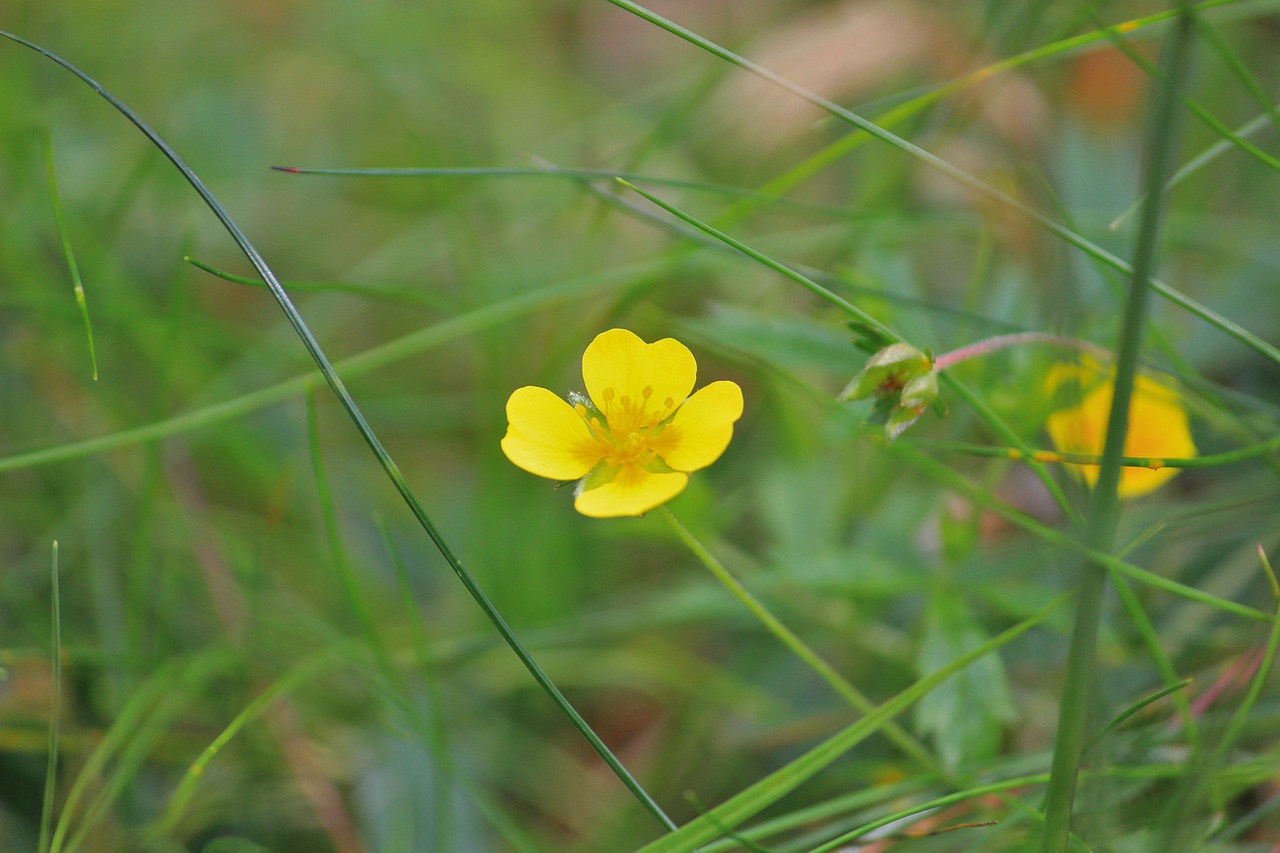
(197, 570)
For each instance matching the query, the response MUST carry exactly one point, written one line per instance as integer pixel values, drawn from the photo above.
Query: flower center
(629, 425)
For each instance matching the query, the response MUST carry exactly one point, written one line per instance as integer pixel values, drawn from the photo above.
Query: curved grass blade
(1044, 532)
(140, 722)
(388, 294)
(357, 417)
(1119, 719)
(1201, 770)
(299, 675)
(960, 176)
(72, 266)
(1195, 164)
(374, 358)
(778, 784)
(838, 683)
(552, 171)
(804, 281)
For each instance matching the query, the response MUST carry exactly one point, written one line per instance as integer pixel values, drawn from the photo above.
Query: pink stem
(990, 345)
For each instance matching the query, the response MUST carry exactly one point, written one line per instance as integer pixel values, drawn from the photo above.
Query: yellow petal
(634, 491)
(701, 430)
(1158, 429)
(545, 436)
(633, 383)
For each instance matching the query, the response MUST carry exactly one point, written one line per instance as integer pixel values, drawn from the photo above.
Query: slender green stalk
(800, 279)
(1195, 164)
(1053, 536)
(1104, 504)
(960, 176)
(55, 711)
(779, 783)
(799, 647)
(437, 735)
(375, 445)
(935, 803)
(72, 266)
(404, 295)
(808, 283)
(301, 673)
(351, 591)
(1212, 460)
(1201, 769)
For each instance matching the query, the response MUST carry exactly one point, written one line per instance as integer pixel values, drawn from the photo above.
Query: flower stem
(1103, 510)
(1153, 463)
(989, 345)
(838, 682)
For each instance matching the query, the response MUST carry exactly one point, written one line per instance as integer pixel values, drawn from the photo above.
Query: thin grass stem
(1056, 457)
(55, 711)
(799, 647)
(366, 432)
(1102, 516)
(72, 267)
(835, 299)
(960, 176)
(777, 784)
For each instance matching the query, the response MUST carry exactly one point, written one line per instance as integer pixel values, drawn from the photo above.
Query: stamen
(647, 392)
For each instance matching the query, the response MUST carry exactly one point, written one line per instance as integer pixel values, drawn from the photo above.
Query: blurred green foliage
(196, 570)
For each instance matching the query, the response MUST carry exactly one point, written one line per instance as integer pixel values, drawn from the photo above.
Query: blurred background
(201, 571)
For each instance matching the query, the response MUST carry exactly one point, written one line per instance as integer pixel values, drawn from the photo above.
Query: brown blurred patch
(856, 50)
(1106, 89)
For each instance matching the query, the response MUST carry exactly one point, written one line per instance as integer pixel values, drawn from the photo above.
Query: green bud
(887, 372)
(898, 422)
(921, 391)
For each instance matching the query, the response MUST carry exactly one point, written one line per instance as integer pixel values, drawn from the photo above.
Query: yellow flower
(1158, 427)
(633, 441)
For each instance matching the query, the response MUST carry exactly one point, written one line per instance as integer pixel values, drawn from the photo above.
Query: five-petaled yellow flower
(632, 440)
(1158, 427)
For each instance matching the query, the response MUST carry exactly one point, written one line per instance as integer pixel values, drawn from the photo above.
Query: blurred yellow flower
(1158, 427)
(632, 440)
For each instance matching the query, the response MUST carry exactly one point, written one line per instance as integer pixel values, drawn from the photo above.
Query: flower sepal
(887, 372)
(904, 382)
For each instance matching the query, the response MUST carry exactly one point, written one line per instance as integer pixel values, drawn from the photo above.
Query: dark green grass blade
(1102, 517)
(357, 417)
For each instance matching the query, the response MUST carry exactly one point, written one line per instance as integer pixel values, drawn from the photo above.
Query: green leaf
(966, 715)
(778, 784)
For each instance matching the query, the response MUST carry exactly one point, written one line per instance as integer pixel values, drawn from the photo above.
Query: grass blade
(72, 266)
(960, 176)
(778, 784)
(55, 714)
(1102, 517)
(357, 417)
